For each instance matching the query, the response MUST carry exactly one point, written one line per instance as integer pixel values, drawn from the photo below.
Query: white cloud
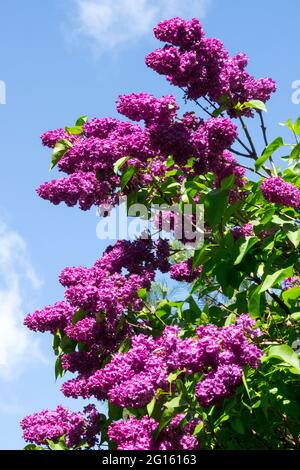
(108, 24)
(18, 281)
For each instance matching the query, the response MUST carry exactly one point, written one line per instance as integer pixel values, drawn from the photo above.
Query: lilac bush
(198, 372)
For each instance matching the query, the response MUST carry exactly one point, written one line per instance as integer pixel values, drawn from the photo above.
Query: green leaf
(58, 369)
(56, 342)
(142, 293)
(176, 402)
(268, 152)
(294, 237)
(295, 316)
(296, 127)
(287, 124)
(170, 161)
(295, 152)
(151, 406)
(67, 344)
(276, 278)
(198, 428)
(291, 294)
(81, 120)
(199, 257)
(254, 303)
(230, 319)
(60, 445)
(215, 204)
(78, 315)
(114, 412)
(267, 215)
(119, 163)
(165, 419)
(256, 104)
(76, 130)
(228, 183)
(220, 110)
(127, 176)
(173, 375)
(285, 353)
(245, 246)
(125, 345)
(61, 147)
(238, 425)
(33, 447)
(244, 376)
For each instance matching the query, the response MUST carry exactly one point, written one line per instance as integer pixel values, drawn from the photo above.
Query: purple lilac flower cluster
(52, 425)
(184, 272)
(103, 294)
(138, 434)
(203, 67)
(131, 379)
(89, 162)
(277, 190)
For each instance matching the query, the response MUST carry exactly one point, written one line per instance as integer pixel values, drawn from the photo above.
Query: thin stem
(203, 108)
(274, 296)
(217, 302)
(244, 145)
(273, 166)
(241, 154)
(246, 167)
(264, 132)
(249, 138)
(212, 104)
(143, 327)
(251, 169)
(296, 138)
(263, 127)
(153, 312)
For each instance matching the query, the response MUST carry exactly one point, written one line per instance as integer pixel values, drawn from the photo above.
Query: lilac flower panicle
(138, 434)
(50, 138)
(203, 67)
(53, 425)
(218, 384)
(51, 318)
(278, 191)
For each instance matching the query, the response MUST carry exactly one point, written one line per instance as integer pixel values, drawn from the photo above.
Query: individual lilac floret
(277, 190)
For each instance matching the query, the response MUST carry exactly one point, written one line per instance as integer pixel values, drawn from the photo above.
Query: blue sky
(60, 60)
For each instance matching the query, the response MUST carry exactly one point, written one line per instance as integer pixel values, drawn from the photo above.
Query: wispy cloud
(109, 24)
(18, 281)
